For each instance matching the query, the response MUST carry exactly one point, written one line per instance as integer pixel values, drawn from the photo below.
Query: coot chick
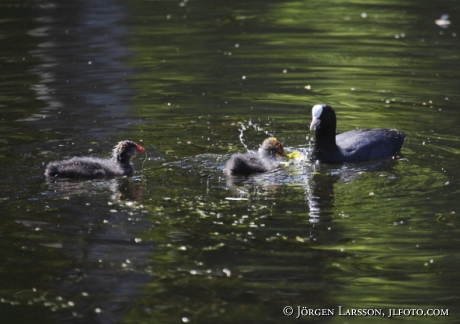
(265, 160)
(88, 167)
(353, 146)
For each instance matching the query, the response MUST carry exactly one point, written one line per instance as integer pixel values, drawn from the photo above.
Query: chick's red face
(280, 149)
(139, 148)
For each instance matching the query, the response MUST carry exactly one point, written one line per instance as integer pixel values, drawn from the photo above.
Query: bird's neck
(324, 143)
(123, 159)
(267, 153)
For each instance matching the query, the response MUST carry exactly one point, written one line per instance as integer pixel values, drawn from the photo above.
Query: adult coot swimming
(88, 167)
(249, 163)
(352, 146)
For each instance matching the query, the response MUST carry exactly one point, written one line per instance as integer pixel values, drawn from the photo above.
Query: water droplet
(227, 272)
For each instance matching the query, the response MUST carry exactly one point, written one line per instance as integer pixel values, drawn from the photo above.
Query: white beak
(314, 123)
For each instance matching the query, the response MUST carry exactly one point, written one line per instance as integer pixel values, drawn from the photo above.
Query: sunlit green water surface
(194, 82)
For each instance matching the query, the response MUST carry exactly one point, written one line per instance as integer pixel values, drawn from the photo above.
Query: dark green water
(194, 82)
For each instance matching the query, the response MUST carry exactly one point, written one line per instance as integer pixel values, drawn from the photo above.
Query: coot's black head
(124, 150)
(323, 118)
(272, 147)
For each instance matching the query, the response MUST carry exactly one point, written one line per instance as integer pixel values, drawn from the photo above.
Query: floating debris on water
(443, 22)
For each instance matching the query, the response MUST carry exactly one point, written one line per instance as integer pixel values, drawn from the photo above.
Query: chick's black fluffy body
(89, 167)
(263, 161)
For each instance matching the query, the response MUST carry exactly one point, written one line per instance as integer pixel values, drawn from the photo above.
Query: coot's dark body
(250, 163)
(352, 146)
(88, 167)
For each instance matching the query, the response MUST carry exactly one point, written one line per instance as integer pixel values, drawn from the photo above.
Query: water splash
(256, 127)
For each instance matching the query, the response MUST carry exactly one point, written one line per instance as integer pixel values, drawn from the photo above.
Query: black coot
(88, 167)
(249, 163)
(352, 146)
